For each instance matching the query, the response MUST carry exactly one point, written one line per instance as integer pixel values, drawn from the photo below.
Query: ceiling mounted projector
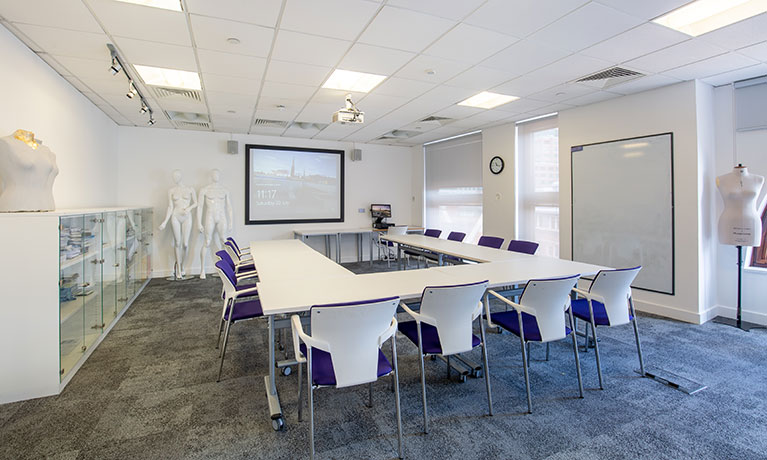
(349, 114)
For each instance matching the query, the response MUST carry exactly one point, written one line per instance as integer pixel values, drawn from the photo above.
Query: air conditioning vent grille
(261, 123)
(614, 72)
(193, 124)
(434, 118)
(164, 93)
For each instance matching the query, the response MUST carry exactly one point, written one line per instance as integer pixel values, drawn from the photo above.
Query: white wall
(36, 98)
(147, 157)
(417, 184)
(751, 150)
(498, 190)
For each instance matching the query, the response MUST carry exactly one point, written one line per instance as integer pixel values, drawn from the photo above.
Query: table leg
(338, 248)
(371, 249)
(327, 246)
(359, 246)
(272, 397)
(399, 257)
(440, 259)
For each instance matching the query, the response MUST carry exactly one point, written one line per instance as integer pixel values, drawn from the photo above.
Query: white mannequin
(215, 204)
(27, 171)
(739, 224)
(181, 200)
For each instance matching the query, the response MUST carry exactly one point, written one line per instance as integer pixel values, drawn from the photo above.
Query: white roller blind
(750, 103)
(453, 186)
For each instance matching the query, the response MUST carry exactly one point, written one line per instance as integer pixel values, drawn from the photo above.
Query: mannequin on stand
(214, 215)
(181, 201)
(739, 224)
(27, 171)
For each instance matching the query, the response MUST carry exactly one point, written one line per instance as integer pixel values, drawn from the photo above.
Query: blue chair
(525, 247)
(444, 326)
(423, 254)
(240, 304)
(608, 302)
(490, 242)
(240, 252)
(456, 236)
(345, 350)
(539, 317)
(243, 271)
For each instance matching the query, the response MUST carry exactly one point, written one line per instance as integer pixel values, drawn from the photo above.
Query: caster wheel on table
(278, 424)
(286, 371)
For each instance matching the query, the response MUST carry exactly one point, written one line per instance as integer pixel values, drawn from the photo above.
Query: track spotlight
(150, 122)
(116, 67)
(131, 91)
(144, 108)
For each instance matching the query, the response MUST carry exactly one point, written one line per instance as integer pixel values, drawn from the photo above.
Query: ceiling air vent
(189, 119)
(192, 124)
(176, 93)
(399, 134)
(437, 119)
(261, 123)
(610, 77)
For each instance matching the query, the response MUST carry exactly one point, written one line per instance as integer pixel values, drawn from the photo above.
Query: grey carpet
(149, 391)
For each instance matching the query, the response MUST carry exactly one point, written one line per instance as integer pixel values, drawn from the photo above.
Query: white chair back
(398, 230)
(549, 298)
(352, 332)
(615, 287)
(451, 309)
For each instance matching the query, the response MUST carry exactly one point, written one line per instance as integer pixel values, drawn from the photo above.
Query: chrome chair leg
(396, 395)
(525, 365)
(586, 338)
(311, 399)
(548, 349)
(300, 392)
(575, 351)
(596, 352)
(448, 367)
(220, 330)
(636, 335)
(370, 394)
(223, 348)
(529, 356)
(485, 367)
(423, 380)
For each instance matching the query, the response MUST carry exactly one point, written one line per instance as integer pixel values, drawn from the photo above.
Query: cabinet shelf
(67, 263)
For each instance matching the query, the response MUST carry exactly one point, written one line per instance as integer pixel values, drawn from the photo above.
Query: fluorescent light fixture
(173, 5)
(703, 16)
(452, 137)
(348, 80)
(157, 76)
(636, 145)
(487, 100)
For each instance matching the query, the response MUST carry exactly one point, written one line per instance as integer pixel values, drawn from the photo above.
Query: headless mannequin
(739, 224)
(27, 171)
(181, 201)
(217, 219)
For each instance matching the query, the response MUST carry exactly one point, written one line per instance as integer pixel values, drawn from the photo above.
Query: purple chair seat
(322, 366)
(581, 311)
(508, 320)
(525, 247)
(430, 337)
(494, 242)
(245, 310)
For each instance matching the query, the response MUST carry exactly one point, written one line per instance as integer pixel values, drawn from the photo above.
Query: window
(538, 184)
(453, 186)
(759, 254)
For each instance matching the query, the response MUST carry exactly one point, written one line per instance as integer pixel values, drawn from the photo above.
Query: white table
(460, 250)
(327, 233)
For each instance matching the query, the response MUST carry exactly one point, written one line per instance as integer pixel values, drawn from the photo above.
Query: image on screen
(380, 210)
(293, 185)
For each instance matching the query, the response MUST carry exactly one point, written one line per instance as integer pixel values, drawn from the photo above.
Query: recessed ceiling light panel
(703, 16)
(157, 76)
(348, 80)
(487, 100)
(173, 5)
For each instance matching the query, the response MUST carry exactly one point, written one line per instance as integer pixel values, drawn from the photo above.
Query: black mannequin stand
(738, 322)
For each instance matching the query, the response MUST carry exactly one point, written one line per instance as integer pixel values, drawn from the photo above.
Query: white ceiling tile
(758, 51)
(708, 67)
(525, 56)
(157, 54)
(178, 104)
(586, 26)
(376, 105)
(334, 96)
(232, 65)
(271, 113)
(261, 12)
(403, 87)
(336, 131)
(374, 59)
(55, 65)
(116, 116)
(521, 17)
(644, 9)
(674, 56)
(522, 105)
(212, 82)
(301, 130)
(65, 14)
(220, 102)
(69, 42)
(646, 38)
(571, 68)
(142, 22)
(404, 29)
(91, 69)
(744, 33)
(308, 49)
(480, 78)
(643, 84)
(449, 10)
(95, 98)
(458, 112)
(297, 74)
(527, 84)
(444, 69)
(267, 131)
(342, 19)
(439, 98)
(212, 34)
(737, 75)
(592, 98)
(287, 91)
(469, 44)
(318, 113)
(561, 93)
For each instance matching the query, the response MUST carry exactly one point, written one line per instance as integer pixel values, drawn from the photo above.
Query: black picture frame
(249, 220)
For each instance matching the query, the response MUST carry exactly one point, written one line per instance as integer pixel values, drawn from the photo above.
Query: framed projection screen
(623, 207)
(286, 185)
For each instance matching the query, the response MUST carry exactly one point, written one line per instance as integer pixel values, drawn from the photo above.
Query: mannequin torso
(739, 224)
(27, 172)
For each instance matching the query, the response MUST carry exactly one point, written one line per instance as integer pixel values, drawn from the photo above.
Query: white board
(623, 207)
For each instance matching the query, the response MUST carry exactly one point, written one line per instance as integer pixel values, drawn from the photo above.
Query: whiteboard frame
(579, 148)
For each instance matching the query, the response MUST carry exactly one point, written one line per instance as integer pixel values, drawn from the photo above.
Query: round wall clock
(496, 165)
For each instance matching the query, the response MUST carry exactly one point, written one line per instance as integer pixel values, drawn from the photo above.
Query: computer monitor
(380, 210)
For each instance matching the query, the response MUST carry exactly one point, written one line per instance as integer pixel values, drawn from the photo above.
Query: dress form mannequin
(217, 220)
(181, 201)
(739, 224)
(27, 171)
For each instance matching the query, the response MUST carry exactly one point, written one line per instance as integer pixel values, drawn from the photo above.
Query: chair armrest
(295, 323)
(416, 316)
(514, 305)
(247, 275)
(298, 333)
(388, 333)
(477, 311)
(245, 292)
(589, 295)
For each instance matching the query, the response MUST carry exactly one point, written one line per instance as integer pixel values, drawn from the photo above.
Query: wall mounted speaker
(356, 154)
(232, 147)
